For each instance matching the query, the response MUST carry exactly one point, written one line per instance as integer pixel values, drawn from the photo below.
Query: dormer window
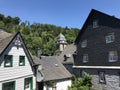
(95, 24)
(110, 38)
(84, 44)
(85, 58)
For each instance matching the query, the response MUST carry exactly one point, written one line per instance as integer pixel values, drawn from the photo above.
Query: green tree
(81, 83)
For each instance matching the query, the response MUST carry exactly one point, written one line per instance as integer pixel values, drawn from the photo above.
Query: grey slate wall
(97, 49)
(112, 78)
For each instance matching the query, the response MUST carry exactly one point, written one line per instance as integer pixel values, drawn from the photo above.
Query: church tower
(60, 43)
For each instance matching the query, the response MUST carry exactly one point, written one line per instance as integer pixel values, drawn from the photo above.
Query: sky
(71, 13)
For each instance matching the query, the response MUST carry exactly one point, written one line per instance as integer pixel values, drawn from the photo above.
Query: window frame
(95, 23)
(23, 61)
(9, 83)
(102, 78)
(11, 60)
(31, 82)
(84, 44)
(110, 38)
(85, 58)
(113, 56)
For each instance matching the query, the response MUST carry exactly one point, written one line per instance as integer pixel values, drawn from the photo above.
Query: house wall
(112, 78)
(97, 48)
(16, 73)
(60, 85)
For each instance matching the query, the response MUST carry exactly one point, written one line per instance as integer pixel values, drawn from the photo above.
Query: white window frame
(84, 44)
(110, 38)
(95, 24)
(113, 56)
(102, 77)
(85, 58)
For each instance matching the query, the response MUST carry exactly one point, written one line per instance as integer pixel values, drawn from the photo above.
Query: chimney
(39, 52)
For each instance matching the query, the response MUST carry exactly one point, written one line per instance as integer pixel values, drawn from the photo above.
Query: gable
(103, 20)
(15, 42)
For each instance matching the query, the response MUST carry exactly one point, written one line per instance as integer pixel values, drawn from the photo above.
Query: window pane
(113, 57)
(84, 44)
(8, 60)
(21, 60)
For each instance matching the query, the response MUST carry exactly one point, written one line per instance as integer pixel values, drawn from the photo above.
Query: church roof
(61, 37)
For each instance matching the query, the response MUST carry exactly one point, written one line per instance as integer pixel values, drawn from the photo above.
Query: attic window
(95, 24)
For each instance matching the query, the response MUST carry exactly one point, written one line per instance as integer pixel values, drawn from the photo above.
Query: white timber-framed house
(17, 69)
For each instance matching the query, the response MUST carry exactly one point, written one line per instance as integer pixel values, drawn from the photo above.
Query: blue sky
(71, 13)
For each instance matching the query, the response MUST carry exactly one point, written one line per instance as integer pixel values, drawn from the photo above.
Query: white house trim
(98, 67)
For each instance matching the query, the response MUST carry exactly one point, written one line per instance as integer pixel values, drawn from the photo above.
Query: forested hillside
(37, 35)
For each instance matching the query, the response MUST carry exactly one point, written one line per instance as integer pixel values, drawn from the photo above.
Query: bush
(81, 83)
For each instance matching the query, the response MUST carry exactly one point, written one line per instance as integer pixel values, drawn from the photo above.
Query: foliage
(37, 35)
(81, 83)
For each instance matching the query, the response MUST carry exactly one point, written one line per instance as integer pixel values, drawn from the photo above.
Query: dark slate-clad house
(98, 50)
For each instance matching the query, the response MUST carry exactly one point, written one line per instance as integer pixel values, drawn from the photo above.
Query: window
(8, 86)
(110, 38)
(113, 57)
(95, 24)
(28, 84)
(8, 61)
(84, 44)
(102, 77)
(85, 58)
(21, 60)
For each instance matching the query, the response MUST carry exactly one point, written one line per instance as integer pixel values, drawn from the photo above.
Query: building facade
(17, 71)
(98, 51)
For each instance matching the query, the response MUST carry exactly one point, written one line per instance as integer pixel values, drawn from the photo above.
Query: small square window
(110, 38)
(102, 77)
(85, 58)
(84, 44)
(95, 24)
(113, 57)
(21, 60)
(8, 61)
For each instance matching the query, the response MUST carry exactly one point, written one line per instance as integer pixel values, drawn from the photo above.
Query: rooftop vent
(56, 65)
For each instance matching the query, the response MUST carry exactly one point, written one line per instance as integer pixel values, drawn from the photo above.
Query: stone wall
(112, 78)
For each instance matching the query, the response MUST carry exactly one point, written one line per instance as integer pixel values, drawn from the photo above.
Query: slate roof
(52, 69)
(5, 39)
(68, 51)
(61, 37)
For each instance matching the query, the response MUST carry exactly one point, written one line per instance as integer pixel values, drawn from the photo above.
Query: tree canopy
(37, 35)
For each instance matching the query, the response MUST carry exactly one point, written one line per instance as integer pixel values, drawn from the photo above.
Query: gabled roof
(53, 69)
(7, 38)
(110, 21)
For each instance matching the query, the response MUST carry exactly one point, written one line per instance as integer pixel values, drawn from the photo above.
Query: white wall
(60, 85)
(16, 73)
(63, 85)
